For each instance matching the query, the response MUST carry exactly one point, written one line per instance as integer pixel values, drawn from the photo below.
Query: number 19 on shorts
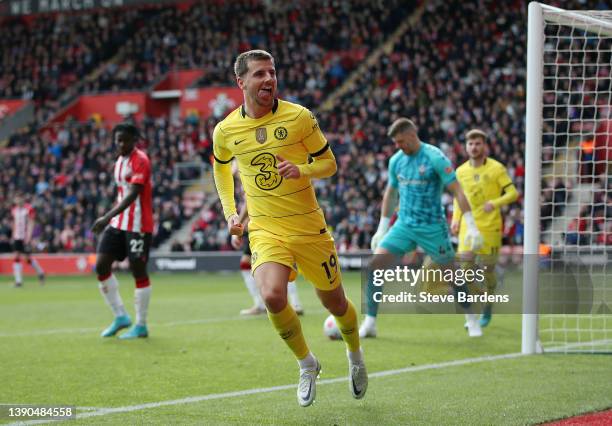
(331, 268)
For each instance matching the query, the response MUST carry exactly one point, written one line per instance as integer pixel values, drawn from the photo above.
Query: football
(330, 328)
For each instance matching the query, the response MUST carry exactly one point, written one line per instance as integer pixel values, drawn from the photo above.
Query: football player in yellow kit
(487, 187)
(279, 148)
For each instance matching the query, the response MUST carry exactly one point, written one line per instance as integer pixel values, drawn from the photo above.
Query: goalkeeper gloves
(473, 238)
(383, 227)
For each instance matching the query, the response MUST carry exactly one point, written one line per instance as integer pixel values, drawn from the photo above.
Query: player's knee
(274, 299)
(335, 302)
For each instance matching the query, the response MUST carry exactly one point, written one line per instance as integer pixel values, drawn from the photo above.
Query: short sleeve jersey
(134, 168)
(420, 179)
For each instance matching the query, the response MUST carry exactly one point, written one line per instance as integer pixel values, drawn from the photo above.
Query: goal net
(567, 296)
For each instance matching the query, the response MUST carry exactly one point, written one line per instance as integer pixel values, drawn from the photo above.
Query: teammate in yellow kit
(279, 148)
(488, 187)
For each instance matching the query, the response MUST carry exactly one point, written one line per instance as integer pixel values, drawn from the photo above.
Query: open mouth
(265, 92)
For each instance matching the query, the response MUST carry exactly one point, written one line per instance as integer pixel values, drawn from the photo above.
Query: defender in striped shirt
(23, 222)
(129, 234)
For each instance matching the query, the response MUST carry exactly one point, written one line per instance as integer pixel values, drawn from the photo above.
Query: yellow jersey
(285, 209)
(488, 182)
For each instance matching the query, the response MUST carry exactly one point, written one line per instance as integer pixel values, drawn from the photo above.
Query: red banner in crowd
(109, 107)
(10, 106)
(60, 264)
(206, 102)
(114, 107)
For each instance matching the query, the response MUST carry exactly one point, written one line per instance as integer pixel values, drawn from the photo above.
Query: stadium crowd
(67, 175)
(426, 74)
(45, 58)
(317, 44)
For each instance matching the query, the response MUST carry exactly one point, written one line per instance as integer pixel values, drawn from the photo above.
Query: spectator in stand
(579, 230)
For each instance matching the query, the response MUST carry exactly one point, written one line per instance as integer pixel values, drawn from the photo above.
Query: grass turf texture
(51, 354)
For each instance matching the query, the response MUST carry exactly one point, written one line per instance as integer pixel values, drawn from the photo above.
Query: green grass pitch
(51, 353)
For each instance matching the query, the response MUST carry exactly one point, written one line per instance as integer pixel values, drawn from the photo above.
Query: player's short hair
(241, 66)
(476, 133)
(127, 128)
(401, 125)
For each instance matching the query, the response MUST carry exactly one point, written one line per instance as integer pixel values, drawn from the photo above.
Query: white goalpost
(567, 291)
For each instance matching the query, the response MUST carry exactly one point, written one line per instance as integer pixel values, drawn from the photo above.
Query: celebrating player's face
(475, 148)
(259, 83)
(124, 142)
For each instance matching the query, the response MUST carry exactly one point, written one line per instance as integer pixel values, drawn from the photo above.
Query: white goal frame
(537, 16)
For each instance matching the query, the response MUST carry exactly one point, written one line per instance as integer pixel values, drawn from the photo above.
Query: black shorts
(246, 249)
(20, 246)
(122, 244)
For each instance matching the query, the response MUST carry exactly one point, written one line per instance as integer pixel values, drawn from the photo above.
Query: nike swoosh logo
(355, 390)
(238, 142)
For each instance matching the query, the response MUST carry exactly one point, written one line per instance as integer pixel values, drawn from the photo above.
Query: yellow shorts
(491, 244)
(317, 261)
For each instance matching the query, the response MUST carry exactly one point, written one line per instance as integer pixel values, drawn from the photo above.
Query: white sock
(355, 357)
(109, 289)
(17, 268)
(471, 318)
(308, 363)
(294, 298)
(251, 286)
(141, 302)
(369, 321)
(36, 266)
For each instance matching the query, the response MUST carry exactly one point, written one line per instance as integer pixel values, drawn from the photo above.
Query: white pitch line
(246, 392)
(92, 329)
(165, 324)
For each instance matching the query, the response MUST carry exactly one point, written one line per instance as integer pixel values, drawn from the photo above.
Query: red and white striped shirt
(23, 218)
(134, 168)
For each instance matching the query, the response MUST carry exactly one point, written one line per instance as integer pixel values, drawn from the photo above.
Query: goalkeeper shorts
(433, 238)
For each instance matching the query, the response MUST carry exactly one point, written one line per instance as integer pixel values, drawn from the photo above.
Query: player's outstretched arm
(456, 220)
(389, 202)
(473, 236)
(102, 222)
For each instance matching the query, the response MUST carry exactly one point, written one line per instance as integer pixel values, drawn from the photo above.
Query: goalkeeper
(418, 172)
(488, 187)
